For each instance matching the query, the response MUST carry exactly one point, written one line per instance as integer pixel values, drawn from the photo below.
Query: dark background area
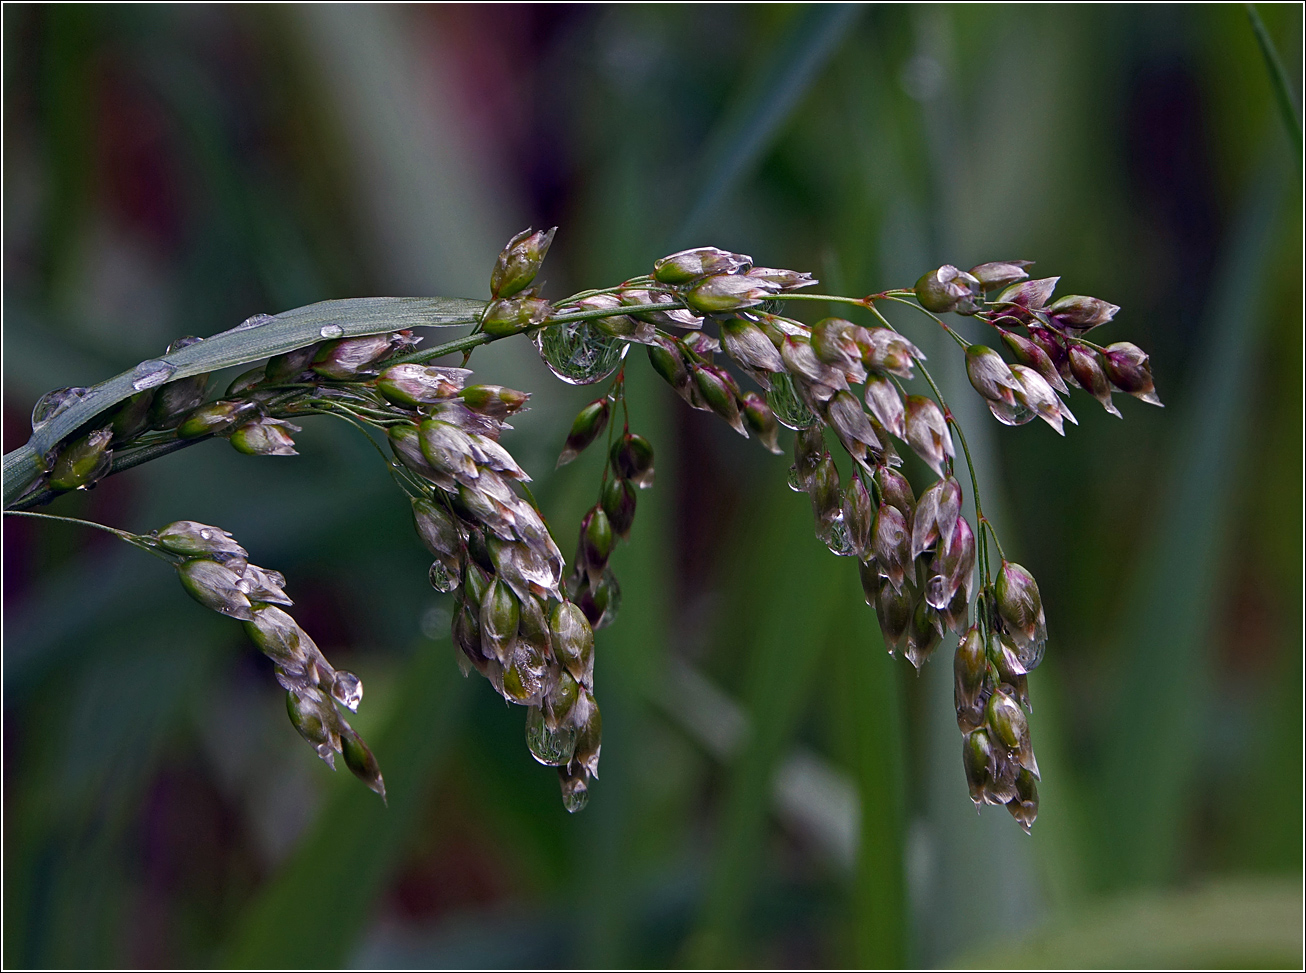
(775, 790)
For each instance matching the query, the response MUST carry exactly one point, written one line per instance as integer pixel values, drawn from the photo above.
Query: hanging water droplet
(441, 578)
(348, 689)
(575, 798)
(150, 373)
(838, 539)
(1032, 654)
(788, 408)
(795, 480)
(331, 331)
(578, 353)
(52, 403)
(553, 748)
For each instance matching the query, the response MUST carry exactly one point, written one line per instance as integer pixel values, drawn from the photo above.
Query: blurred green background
(775, 791)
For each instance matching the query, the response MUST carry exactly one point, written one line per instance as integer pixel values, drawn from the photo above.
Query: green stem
(932, 316)
(120, 463)
(399, 474)
(1278, 81)
(136, 540)
(468, 342)
(827, 298)
(965, 449)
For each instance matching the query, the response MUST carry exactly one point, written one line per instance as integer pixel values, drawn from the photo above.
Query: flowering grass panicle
(710, 322)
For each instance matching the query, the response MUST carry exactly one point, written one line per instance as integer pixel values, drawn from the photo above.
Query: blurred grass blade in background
(743, 135)
(316, 908)
(1283, 94)
(1161, 726)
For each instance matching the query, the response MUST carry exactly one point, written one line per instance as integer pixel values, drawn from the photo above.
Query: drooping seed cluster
(917, 557)
(1051, 357)
(216, 572)
(991, 693)
(512, 620)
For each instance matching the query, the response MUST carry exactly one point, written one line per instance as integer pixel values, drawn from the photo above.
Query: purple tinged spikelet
(720, 393)
(948, 289)
(519, 262)
(927, 432)
(1027, 353)
(1128, 368)
(885, 403)
(1076, 315)
(727, 292)
(1087, 370)
(989, 375)
(759, 417)
(1020, 606)
(1036, 395)
(1001, 273)
(968, 672)
(1029, 295)
(747, 344)
(891, 544)
(688, 265)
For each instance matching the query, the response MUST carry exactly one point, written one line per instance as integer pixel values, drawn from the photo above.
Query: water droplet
(795, 480)
(601, 602)
(150, 373)
(52, 403)
(575, 799)
(838, 539)
(441, 579)
(207, 534)
(553, 748)
(253, 321)
(331, 331)
(578, 353)
(788, 408)
(348, 689)
(1031, 655)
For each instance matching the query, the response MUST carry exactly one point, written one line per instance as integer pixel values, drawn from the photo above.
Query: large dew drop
(150, 373)
(788, 408)
(579, 353)
(553, 748)
(253, 321)
(331, 331)
(52, 403)
(441, 578)
(838, 539)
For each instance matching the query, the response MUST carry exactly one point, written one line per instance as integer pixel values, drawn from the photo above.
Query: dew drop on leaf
(578, 353)
(553, 748)
(52, 403)
(784, 402)
(253, 321)
(150, 373)
(331, 331)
